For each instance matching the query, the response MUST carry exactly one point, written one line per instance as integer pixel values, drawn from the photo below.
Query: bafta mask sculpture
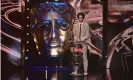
(50, 24)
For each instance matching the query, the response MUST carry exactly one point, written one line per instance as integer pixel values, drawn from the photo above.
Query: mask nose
(54, 33)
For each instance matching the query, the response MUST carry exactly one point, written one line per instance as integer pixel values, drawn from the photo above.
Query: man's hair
(82, 14)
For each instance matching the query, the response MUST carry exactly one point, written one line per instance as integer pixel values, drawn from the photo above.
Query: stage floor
(53, 73)
(64, 74)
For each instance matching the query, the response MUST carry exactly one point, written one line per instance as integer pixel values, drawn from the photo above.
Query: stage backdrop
(119, 36)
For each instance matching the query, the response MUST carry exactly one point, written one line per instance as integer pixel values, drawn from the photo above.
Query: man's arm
(74, 32)
(87, 35)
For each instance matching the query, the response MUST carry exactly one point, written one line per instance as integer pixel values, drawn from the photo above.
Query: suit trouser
(85, 60)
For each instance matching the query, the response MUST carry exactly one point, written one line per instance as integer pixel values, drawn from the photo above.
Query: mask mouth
(54, 45)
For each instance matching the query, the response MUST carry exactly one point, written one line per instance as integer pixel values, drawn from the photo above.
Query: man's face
(52, 27)
(80, 18)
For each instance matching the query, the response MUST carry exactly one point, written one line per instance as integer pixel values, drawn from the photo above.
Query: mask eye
(46, 24)
(45, 27)
(64, 25)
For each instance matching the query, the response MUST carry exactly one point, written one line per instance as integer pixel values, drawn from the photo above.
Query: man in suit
(81, 33)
